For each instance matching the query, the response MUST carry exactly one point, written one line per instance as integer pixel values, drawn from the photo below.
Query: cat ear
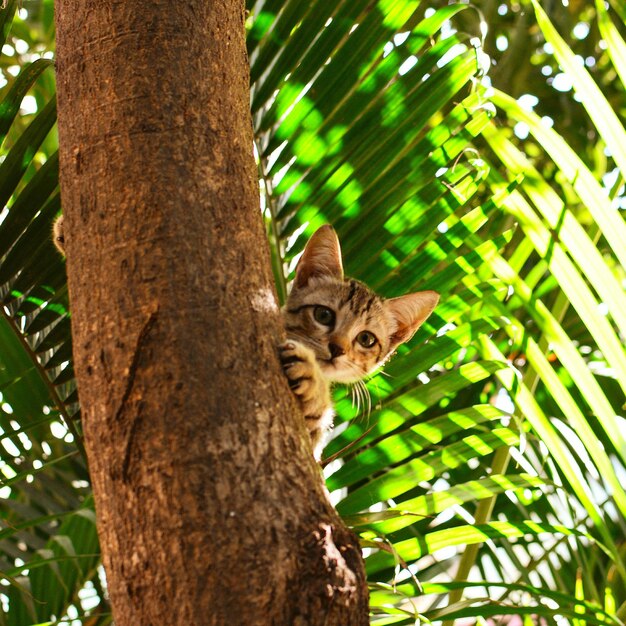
(409, 312)
(321, 257)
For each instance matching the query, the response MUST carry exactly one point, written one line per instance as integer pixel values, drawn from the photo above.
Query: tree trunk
(210, 506)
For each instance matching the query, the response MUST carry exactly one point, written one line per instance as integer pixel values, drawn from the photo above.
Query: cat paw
(304, 376)
(299, 367)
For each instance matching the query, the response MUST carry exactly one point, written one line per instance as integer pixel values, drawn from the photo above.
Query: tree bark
(210, 506)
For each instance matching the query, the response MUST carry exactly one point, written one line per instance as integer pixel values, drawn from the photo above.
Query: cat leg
(310, 388)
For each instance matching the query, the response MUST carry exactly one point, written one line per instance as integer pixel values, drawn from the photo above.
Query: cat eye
(366, 339)
(323, 315)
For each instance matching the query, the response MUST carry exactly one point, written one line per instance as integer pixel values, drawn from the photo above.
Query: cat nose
(335, 350)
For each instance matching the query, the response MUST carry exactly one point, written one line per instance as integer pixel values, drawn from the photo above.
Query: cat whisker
(369, 399)
(367, 396)
(356, 399)
(354, 394)
(360, 395)
(362, 392)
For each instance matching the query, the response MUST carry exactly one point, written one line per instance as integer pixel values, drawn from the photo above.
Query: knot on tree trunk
(333, 557)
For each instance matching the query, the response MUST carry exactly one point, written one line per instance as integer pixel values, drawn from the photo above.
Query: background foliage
(479, 151)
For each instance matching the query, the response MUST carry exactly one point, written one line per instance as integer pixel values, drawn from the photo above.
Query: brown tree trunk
(210, 506)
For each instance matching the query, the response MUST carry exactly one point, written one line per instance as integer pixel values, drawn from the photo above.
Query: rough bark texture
(210, 506)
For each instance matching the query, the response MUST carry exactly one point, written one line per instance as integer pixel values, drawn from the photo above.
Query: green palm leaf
(370, 116)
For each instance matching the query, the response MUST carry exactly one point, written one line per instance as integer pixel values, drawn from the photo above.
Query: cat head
(351, 330)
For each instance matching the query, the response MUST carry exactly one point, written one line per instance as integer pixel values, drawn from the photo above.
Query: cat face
(350, 329)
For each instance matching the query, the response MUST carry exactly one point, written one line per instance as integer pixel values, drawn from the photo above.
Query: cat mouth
(339, 372)
(331, 363)
(327, 364)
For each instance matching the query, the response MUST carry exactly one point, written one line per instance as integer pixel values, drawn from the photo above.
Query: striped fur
(321, 351)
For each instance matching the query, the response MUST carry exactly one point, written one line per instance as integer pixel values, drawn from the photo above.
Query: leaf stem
(65, 417)
(278, 260)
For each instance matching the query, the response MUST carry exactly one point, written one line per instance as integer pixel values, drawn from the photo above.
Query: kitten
(339, 330)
